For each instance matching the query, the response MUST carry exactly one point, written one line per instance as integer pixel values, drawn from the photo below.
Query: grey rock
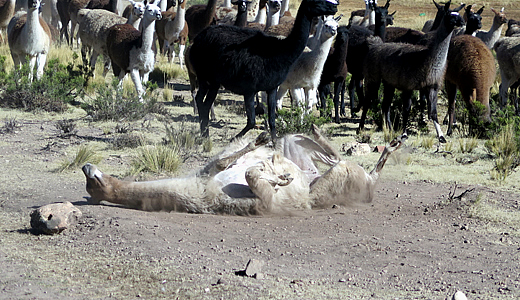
(54, 218)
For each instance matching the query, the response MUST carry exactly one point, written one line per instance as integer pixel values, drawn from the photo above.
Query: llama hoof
(442, 140)
(262, 139)
(284, 180)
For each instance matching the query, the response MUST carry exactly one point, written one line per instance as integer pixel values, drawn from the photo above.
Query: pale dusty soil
(412, 242)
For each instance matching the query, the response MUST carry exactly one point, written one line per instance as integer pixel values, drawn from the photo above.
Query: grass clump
(185, 138)
(467, 145)
(109, 104)
(84, 155)
(156, 159)
(60, 85)
(504, 147)
(67, 128)
(128, 140)
(10, 125)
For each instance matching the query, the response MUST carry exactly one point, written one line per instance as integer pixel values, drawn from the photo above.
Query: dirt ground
(412, 242)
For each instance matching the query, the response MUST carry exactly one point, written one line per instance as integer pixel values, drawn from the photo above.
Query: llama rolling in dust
(251, 179)
(29, 36)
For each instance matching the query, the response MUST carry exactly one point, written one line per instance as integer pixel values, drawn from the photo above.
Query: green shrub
(108, 103)
(60, 84)
(296, 120)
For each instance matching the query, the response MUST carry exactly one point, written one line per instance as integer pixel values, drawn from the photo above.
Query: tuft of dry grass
(156, 159)
(84, 155)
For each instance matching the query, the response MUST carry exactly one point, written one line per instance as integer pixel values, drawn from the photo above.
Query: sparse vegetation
(504, 147)
(156, 159)
(295, 120)
(84, 155)
(128, 140)
(109, 103)
(60, 85)
(185, 138)
(67, 128)
(467, 145)
(10, 125)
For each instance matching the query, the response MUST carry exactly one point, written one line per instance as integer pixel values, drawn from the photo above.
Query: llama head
(473, 20)
(138, 8)
(34, 4)
(274, 6)
(315, 8)
(500, 16)
(241, 5)
(451, 17)
(152, 11)
(329, 29)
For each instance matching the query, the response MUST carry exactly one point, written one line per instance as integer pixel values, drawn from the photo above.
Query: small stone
(459, 296)
(259, 276)
(54, 218)
(254, 266)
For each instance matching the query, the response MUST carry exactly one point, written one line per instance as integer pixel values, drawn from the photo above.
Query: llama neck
(438, 51)
(147, 33)
(32, 26)
(496, 30)
(227, 3)
(261, 17)
(322, 52)
(285, 7)
(180, 18)
(210, 11)
(241, 18)
(380, 28)
(134, 20)
(272, 19)
(296, 41)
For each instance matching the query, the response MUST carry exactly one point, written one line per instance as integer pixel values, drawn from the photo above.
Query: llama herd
(259, 47)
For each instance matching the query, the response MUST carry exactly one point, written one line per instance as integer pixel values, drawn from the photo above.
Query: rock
(356, 148)
(459, 296)
(54, 218)
(254, 267)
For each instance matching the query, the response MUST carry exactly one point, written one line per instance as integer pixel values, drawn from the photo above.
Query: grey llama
(409, 67)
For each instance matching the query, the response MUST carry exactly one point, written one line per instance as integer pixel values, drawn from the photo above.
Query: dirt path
(411, 243)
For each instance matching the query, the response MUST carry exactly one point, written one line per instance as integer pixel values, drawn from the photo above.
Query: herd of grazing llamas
(260, 48)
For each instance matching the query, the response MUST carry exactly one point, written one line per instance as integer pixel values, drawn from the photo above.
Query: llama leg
(342, 94)
(271, 112)
(371, 94)
(181, 55)
(504, 86)
(281, 92)
(432, 100)
(205, 98)
(451, 91)
(407, 105)
(264, 183)
(338, 87)
(224, 162)
(249, 102)
(136, 78)
(32, 63)
(360, 94)
(388, 95)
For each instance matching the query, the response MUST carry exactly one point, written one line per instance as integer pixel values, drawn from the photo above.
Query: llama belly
(233, 182)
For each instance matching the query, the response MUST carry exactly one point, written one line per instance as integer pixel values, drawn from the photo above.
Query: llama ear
(502, 10)
(338, 18)
(438, 5)
(387, 4)
(481, 10)
(460, 7)
(392, 14)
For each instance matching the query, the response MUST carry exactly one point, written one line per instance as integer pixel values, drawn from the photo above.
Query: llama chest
(142, 60)
(37, 42)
